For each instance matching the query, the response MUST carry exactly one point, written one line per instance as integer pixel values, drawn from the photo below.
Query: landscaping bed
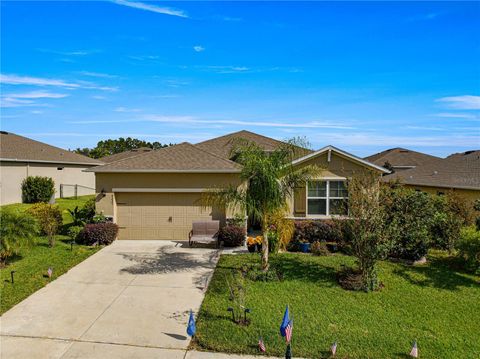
(31, 264)
(436, 304)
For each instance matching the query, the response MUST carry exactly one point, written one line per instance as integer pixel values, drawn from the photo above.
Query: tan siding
(468, 194)
(13, 173)
(338, 167)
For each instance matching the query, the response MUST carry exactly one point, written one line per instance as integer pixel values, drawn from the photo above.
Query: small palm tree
(17, 230)
(270, 180)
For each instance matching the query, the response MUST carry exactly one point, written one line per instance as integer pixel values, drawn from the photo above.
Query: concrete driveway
(129, 300)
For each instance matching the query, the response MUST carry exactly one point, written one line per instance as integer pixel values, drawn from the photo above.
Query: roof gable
(18, 148)
(125, 154)
(349, 156)
(401, 157)
(183, 157)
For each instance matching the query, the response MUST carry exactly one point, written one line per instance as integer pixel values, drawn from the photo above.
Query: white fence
(75, 190)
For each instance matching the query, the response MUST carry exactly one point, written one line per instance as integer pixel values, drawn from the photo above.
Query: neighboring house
(21, 157)
(125, 154)
(459, 172)
(156, 195)
(400, 159)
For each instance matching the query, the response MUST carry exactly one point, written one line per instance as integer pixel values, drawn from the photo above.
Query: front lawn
(31, 264)
(435, 304)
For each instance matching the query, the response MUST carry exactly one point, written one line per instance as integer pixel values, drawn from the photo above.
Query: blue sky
(361, 76)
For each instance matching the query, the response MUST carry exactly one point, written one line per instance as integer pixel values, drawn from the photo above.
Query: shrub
(49, 219)
(17, 230)
(446, 223)
(312, 231)
(273, 241)
(468, 247)
(98, 234)
(237, 220)
(88, 210)
(74, 231)
(232, 236)
(37, 189)
(408, 219)
(284, 228)
(319, 248)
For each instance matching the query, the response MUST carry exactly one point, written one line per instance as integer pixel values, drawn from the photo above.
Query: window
(325, 198)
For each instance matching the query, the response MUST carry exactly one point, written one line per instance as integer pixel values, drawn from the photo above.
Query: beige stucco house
(156, 195)
(21, 157)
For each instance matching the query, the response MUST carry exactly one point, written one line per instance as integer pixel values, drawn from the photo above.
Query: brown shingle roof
(457, 171)
(125, 154)
(222, 146)
(183, 157)
(18, 148)
(401, 157)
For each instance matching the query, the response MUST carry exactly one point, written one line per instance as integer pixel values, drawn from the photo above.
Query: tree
(270, 179)
(111, 147)
(370, 240)
(49, 219)
(18, 230)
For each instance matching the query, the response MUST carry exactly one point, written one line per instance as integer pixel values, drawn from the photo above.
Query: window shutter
(300, 201)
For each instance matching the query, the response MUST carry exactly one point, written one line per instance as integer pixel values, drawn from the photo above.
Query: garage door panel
(158, 215)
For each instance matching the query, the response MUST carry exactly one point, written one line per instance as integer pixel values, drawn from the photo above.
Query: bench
(205, 232)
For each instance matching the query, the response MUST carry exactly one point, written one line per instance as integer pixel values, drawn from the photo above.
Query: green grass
(435, 304)
(31, 264)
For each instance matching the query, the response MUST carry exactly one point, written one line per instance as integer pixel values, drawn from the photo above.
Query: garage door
(158, 215)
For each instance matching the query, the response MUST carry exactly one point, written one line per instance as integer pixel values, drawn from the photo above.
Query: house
(459, 172)
(125, 154)
(21, 157)
(400, 159)
(155, 195)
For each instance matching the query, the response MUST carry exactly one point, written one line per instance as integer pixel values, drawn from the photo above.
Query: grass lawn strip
(31, 264)
(434, 304)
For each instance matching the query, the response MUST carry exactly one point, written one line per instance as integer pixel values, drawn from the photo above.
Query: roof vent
(468, 152)
(4, 132)
(435, 172)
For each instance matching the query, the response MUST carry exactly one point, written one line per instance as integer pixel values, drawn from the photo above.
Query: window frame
(327, 198)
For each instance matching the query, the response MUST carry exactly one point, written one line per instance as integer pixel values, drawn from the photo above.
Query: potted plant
(254, 244)
(304, 246)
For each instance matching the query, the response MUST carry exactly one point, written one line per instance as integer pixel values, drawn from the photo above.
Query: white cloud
(35, 81)
(97, 74)
(467, 116)
(198, 48)
(35, 95)
(70, 53)
(36, 112)
(465, 102)
(38, 81)
(423, 17)
(152, 8)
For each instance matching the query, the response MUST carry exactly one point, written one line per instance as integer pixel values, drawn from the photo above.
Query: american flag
(288, 331)
(50, 272)
(414, 351)
(261, 345)
(333, 348)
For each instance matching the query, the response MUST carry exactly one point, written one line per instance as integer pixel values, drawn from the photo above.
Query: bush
(232, 236)
(49, 219)
(237, 220)
(98, 234)
(89, 210)
(74, 231)
(468, 247)
(312, 231)
(273, 241)
(17, 230)
(319, 248)
(446, 223)
(408, 218)
(37, 189)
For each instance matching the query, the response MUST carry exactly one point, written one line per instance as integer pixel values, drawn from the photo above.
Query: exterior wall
(106, 182)
(13, 173)
(339, 167)
(468, 194)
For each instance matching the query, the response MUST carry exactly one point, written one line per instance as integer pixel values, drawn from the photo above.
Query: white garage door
(158, 215)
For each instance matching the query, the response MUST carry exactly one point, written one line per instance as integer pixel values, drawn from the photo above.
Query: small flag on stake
(50, 272)
(289, 331)
(333, 348)
(414, 351)
(261, 345)
(285, 321)
(191, 329)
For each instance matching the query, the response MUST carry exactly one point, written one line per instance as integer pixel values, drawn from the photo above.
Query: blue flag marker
(191, 325)
(285, 321)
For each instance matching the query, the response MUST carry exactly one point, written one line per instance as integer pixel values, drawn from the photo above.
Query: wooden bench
(205, 232)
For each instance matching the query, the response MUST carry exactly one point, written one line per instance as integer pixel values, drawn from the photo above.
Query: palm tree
(18, 230)
(270, 180)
